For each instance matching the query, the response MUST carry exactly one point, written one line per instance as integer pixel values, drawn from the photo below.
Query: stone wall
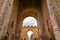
(56, 8)
(5, 15)
(49, 33)
(53, 6)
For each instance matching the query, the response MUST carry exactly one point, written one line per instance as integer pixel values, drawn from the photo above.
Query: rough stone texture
(57, 13)
(13, 19)
(1, 4)
(6, 11)
(54, 15)
(56, 8)
(1, 7)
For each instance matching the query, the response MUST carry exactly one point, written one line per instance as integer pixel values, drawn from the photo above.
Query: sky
(30, 21)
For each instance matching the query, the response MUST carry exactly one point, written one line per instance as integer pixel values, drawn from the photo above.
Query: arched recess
(30, 12)
(29, 34)
(27, 29)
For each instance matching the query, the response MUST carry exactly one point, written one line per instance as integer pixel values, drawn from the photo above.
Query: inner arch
(29, 21)
(29, 34)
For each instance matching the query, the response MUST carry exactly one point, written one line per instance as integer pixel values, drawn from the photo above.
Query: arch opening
(30, 34)
(29, 21)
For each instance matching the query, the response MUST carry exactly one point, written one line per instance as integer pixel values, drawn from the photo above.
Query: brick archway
(29, 12)
(26, 29)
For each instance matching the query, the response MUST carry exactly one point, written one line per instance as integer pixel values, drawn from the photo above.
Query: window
(5, 38)
(48, 29)
(47, 23)
(12, 24)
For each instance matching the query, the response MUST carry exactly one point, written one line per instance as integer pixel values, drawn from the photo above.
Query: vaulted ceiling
(30, 3)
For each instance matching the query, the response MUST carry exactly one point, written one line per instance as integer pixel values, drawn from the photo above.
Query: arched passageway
(36, 9)
(30, 35)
